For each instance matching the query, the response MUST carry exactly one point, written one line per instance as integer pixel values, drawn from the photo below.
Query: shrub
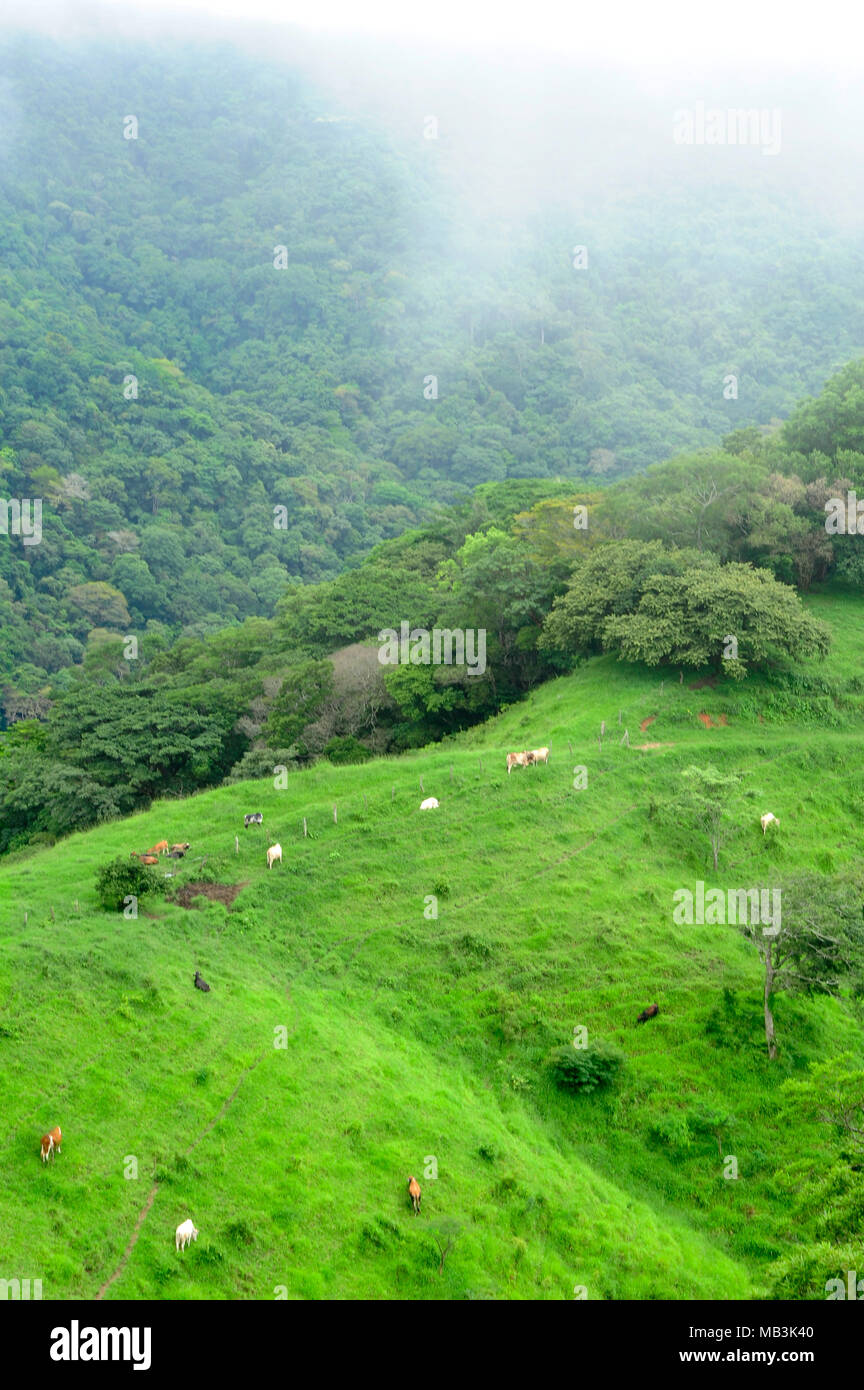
(125, 878)
(588, 1068)
(347, 749)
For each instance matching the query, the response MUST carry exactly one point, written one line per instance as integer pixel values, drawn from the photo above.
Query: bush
(346, 750)
(125, 878)
(585, 1069)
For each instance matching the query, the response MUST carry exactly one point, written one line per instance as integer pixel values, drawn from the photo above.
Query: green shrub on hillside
(122, 879)
(347, 749)
(586, 1069)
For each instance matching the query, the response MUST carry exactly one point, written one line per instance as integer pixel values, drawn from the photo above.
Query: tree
(818, 947)
(710, 801)
(686, 620)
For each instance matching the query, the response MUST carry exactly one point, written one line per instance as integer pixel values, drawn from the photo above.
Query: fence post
(305, 832)
(236, 844)
(422, 789)
(335, 817)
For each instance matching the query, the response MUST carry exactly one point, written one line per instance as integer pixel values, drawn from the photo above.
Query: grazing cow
(414, 1194)
(177, 854)
(184, 1233)
(255, 819)
(540, 755)
(161, 848)
(147, 858)
(430, 804)
(768, 819)
(651, 1012)
(51, 1143)
(517, 760)
(274, 853)
(201, 983)
(180, 849)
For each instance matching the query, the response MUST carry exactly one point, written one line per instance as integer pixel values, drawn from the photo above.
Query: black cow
(201, 983)
(255, 819)
(650, 1012)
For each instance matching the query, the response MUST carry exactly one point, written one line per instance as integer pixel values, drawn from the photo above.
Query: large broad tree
(730, 618)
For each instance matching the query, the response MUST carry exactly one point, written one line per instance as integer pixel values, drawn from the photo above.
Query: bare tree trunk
(769, 1017)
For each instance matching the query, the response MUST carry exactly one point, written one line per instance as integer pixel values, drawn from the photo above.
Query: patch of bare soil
(645, 722)
(216, 892)
(653, 745)
(720, 722)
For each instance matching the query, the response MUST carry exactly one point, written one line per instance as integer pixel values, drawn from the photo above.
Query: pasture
(351, 1037)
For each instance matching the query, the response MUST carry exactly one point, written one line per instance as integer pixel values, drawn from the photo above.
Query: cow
(148, 858)
(179, 849)
(768, 819)
(201, 983)
(430, 804)
(161, 848)
(184, 1233)
(255, 819)
(517, 760)
(651, 1012)
(274, 853)
(540, 755)
(414, 1194)
(51, 1143)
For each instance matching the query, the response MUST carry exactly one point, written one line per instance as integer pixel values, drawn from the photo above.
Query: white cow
(768, 819)
(430, 804)
(540, 755)
(274, 853)
(184, 1233)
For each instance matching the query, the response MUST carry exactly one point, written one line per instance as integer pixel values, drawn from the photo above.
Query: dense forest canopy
(210, 420)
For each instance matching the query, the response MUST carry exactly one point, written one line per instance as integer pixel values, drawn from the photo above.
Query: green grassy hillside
(413, 1042)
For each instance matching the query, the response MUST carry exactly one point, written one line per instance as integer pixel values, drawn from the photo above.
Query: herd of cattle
(527, 759)
(186, 1231)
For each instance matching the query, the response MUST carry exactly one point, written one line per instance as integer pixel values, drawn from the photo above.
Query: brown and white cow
(51, 1143)
(161, 848)
(517, 760)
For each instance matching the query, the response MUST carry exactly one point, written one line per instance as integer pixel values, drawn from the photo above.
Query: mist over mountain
(353, 281)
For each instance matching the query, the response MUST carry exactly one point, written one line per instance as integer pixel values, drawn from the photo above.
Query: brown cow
(180, 849)
(651, 1012)
(414, 1194)
(161, 848)
(51, 1143)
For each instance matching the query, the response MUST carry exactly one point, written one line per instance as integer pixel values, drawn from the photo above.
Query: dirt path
(145, 1210)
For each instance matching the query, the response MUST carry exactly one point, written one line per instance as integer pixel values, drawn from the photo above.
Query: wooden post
(620, 712)
(451, 772)
(422, 789)
(392, 793)
(681, 678)
(662, 683)
(626, 739)
(602, 727)
(25, 918)
(480, 761)
(335, 817)
(53, 918)
(570, 746)
(76, 904)
(305, 831)
(236, 844)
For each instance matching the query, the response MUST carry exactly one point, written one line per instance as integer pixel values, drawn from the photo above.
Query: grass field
(413, 1043)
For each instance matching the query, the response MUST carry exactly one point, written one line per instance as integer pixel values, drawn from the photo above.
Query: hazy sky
(631, 31)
